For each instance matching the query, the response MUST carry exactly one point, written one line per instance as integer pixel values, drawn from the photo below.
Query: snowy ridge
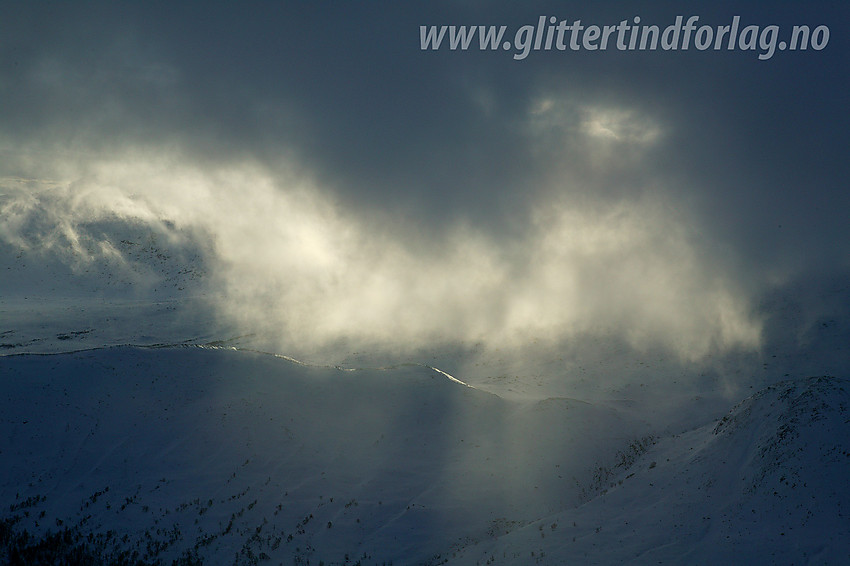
(451, 377)
(229, 453)
(765, 484)
(237, 457)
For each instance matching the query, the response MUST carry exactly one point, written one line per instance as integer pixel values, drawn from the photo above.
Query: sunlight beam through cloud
(290, 265)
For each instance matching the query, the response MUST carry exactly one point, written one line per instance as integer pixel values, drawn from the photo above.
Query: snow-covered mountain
(766, 484)
(246, 454)
(140, 426)
(241, 457)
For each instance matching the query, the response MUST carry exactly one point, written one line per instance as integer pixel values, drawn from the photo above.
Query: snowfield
(248, 454)
(184, 453)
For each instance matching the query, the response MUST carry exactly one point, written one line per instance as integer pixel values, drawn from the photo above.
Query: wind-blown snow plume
(287, 262)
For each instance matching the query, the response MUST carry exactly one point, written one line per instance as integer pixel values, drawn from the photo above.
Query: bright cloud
(289, 264)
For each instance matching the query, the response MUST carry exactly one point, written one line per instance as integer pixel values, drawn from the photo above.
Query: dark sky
(741, 162)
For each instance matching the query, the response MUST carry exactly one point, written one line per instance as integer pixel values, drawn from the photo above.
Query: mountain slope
(234, 455)
(765, 484)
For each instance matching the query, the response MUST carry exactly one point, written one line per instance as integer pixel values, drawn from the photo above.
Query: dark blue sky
(752, 153)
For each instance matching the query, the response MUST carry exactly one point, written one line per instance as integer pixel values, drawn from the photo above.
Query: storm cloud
(346, 185)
